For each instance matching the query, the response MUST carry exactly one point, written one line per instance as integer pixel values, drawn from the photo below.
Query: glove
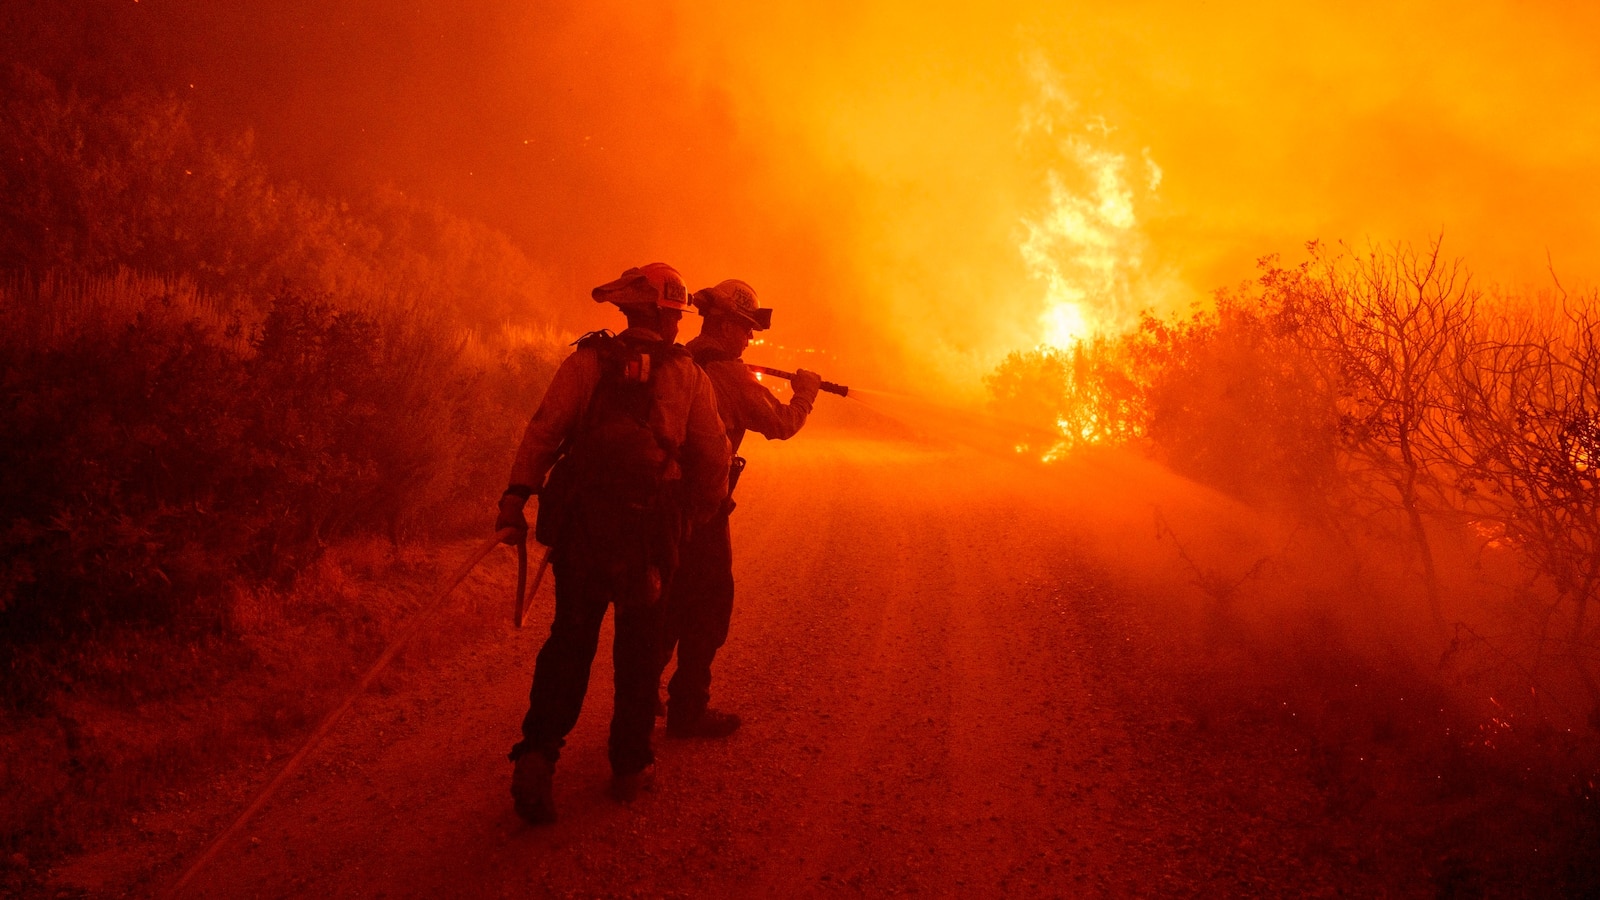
(805, 385)
(511, 517)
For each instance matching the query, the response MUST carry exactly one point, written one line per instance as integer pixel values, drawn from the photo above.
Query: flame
(1086, 246)
(1494, 534)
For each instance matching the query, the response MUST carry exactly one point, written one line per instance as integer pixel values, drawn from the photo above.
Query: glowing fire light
(1087, 246)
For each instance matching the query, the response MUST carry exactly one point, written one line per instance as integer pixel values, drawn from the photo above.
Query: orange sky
(877, 170)
(1271, 124)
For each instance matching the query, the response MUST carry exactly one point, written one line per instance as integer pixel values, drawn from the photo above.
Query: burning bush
(1082, 393)
(1224, 396)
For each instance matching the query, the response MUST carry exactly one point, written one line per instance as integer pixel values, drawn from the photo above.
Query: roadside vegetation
(241, 418)
(211, 381)
(1429, 455)
(1381, 393)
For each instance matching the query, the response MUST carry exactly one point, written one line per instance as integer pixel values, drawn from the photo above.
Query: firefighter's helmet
(735, 299)
(656, 284)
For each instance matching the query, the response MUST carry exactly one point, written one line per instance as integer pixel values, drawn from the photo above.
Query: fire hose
(428, 611)
(827, 386)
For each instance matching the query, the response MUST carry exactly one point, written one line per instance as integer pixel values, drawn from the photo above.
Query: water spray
(978, 430)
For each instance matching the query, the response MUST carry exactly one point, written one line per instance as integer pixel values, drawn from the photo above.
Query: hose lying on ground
(332, 719)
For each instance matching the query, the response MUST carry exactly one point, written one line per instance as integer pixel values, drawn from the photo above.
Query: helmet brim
(636, 289)
(758, 320)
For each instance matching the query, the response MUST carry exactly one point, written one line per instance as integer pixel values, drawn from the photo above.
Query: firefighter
(626, 452)
(699, 601)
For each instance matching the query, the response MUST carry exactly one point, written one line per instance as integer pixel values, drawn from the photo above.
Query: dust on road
(942, 695)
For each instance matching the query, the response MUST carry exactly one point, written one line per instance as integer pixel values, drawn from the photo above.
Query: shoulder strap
(594, 339)
(601, 342)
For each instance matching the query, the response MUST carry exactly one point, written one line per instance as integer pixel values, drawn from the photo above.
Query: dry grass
(62, 307)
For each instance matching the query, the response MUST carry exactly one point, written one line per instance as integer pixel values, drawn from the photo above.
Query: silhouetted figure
(700, 599)
(629, 437)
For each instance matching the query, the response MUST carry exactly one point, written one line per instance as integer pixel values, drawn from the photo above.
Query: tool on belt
(828, 386)
(522, 579)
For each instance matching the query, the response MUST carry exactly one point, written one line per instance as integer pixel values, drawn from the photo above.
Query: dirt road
(942, 696)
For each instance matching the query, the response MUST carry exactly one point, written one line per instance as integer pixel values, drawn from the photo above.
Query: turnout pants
(698, 608)
(591, 575)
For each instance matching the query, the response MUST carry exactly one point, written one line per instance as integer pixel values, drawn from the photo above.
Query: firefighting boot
(532, 792)
(711, 723)
(626, 788)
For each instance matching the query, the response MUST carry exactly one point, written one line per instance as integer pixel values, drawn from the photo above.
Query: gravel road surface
(943, 694)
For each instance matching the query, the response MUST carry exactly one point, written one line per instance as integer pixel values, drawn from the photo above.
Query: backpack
(613, 468)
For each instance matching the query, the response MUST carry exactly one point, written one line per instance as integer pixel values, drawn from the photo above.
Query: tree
(1524, 442)
(1382, 326)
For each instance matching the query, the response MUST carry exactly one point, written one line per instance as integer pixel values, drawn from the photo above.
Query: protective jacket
(699, 605)
(744, 403)
(684, 415)
(607, 557)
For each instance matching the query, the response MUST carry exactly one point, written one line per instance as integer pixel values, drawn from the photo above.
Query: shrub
(288, 369)
(1372, 391)
(158, 449)
(96, 184)
(1224, 396)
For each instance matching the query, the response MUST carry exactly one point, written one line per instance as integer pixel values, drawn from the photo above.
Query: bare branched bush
(1524, 447)
(1370, 393)
(1380, 326)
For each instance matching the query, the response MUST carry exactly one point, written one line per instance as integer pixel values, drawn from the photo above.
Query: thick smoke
(866, 166)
